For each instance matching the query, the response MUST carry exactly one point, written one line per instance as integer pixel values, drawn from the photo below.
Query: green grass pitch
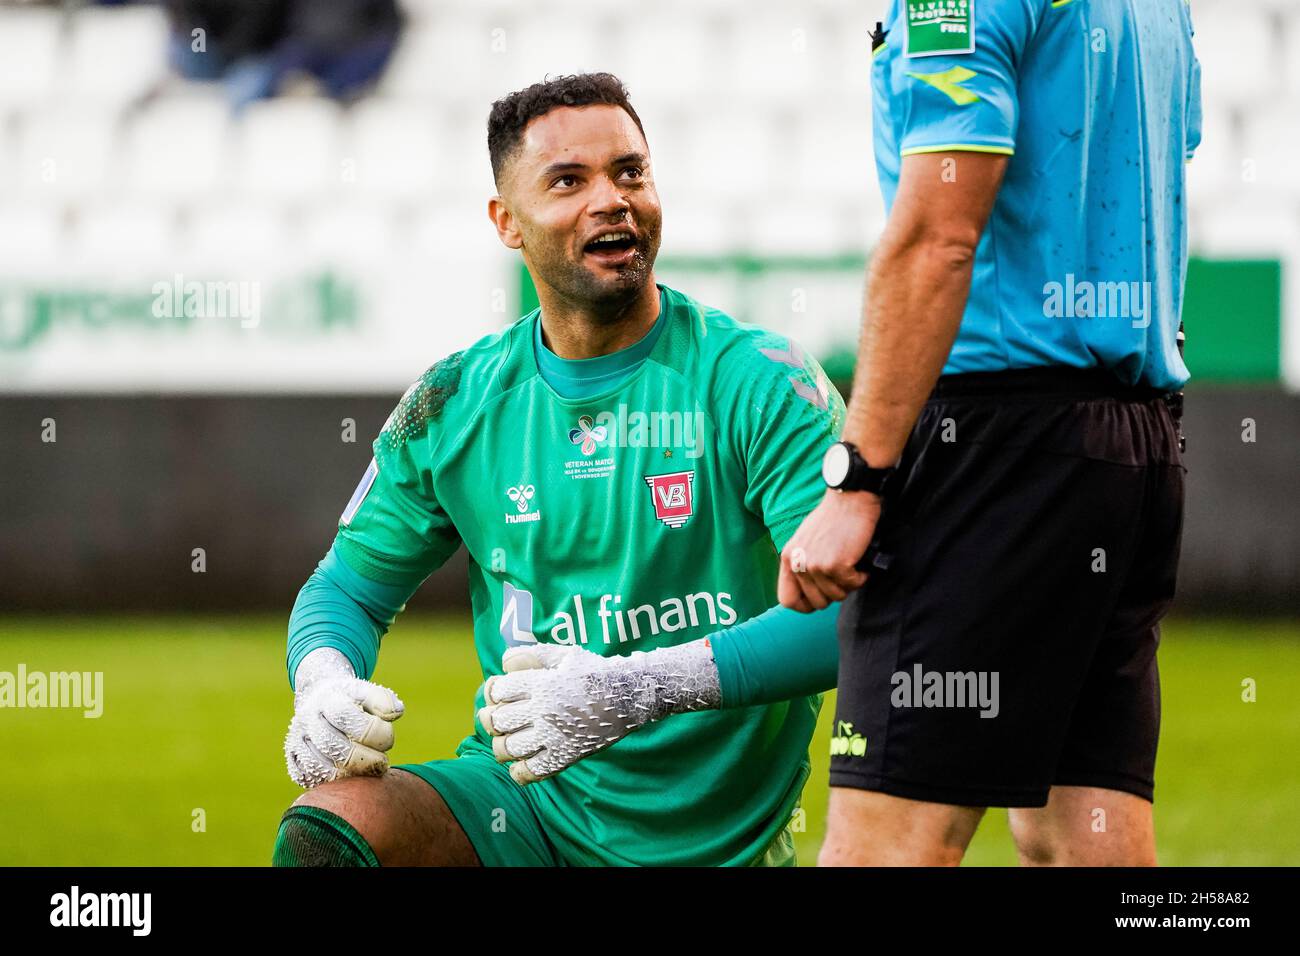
(195, 710)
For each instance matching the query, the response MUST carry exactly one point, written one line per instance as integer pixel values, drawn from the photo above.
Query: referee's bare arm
(917, 286)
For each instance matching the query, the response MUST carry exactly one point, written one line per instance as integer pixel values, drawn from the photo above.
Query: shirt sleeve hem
(960, 147)
(783, 529)
(359, 561)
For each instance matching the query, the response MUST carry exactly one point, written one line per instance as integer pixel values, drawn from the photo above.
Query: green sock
(310, 836)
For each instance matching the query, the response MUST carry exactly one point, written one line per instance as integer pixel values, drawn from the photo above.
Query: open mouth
(612, 248)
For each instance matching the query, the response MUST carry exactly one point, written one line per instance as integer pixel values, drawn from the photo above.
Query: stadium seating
(31, 45)
(66, 152)
(288, 150)
(754, 106)
(179, 148)
(114, 54)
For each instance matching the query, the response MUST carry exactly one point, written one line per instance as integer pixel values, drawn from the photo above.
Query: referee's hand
(818, 564)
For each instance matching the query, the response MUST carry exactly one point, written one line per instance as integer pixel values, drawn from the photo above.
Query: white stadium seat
(113, 237)
(458, 281)
(646, 46)
(1239, 52)
(849, 67)
(861, 222)
(779, 55)
(439, 60)
(1291, 47)
(30, 44)
(1272, 144)
(537, 46)
(348, 232)
(179, 148)
(732, 154)
(417, 10)
(1214, 174)
(31, 237)
(1254, 226)
(395, 148)
(694, 228)
(670, 153)
(466, 172)
(115, 54)
(225, 233)
(791, 227)
(288, 149)
(832, 148)
(66, 153)
(9, 170)
(455, 230)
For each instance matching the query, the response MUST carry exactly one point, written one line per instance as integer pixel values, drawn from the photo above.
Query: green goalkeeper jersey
(645, 516)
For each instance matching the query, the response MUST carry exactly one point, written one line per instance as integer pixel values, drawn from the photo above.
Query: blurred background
(233, 231)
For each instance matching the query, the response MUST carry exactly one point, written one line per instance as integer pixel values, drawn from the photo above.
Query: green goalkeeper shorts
(499, 817)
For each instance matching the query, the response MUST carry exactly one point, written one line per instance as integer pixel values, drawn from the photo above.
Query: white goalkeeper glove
(557, 704)
(341, 724)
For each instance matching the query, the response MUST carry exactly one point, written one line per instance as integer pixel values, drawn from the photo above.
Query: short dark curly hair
(511, 114)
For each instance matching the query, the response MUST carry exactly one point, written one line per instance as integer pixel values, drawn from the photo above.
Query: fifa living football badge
(936, 27)
(587, 435)
(596, 461)
(672, 497)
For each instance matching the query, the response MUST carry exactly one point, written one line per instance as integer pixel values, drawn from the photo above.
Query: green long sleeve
(340, 608)
(778, 655)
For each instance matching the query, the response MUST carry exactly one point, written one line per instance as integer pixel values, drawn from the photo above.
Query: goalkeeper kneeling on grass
(623, 466)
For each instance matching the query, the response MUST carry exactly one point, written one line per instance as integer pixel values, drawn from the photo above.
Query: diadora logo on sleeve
(846, 743)
(672, 497)
(940, 26)
(522, 495)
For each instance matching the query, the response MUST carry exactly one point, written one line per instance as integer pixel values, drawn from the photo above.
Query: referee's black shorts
(1032, 537)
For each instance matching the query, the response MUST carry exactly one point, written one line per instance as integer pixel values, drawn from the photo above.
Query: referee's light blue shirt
(1098, 104)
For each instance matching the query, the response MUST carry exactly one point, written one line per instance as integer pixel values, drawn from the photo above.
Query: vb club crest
(672, 497)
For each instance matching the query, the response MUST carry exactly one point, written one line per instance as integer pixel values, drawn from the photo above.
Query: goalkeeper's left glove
(557, 704)
(341, 725)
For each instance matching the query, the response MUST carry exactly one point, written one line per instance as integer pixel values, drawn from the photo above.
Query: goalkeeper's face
(578, 200)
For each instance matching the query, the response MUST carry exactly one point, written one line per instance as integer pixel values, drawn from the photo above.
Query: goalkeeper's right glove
(557, 704)
(341, 724)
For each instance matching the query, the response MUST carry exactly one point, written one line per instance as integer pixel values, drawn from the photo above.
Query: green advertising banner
(1232, 312)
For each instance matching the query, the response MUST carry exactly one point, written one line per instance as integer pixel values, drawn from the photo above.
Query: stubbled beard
(580, 285)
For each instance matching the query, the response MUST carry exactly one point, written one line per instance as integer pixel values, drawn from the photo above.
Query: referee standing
(1010, 451)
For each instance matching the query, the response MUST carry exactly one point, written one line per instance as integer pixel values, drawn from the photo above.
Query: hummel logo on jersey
(818, 395)
(521, 494)
(672, 497)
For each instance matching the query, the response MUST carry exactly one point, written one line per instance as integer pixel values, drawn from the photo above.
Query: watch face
(835, 465)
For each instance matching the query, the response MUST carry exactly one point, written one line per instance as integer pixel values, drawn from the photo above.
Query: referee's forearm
(916, 293)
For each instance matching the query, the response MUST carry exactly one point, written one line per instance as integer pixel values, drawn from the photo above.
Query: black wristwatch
(843, 469)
